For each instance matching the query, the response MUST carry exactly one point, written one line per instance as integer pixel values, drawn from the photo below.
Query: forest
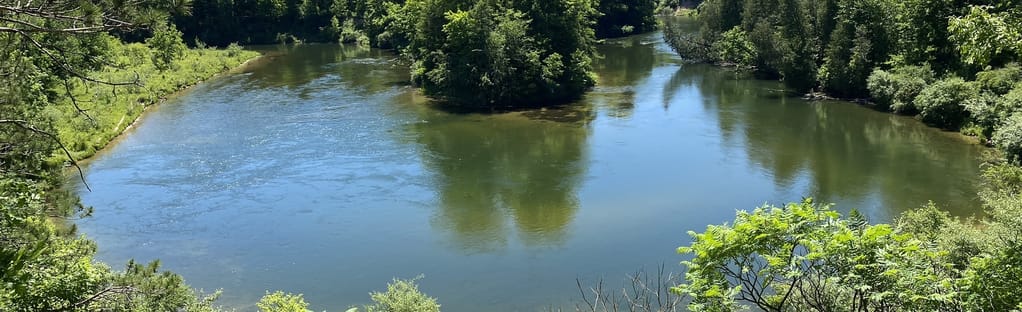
(78, 73)
(508, 53)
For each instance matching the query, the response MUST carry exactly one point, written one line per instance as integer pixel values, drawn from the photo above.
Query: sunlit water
(321, 171)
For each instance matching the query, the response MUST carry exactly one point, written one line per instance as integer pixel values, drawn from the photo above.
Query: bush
(942, 104)
(167, 45)
(1001, 80)
(896, 90)
(402, 296)
(735, 48)
(233, 49)
(1009, 137)
(806, 257)
(278, 301)
(986, 113)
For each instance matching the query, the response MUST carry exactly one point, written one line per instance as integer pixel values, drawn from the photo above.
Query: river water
(321, 171)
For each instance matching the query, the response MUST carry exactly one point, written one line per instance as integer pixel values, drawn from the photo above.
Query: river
(322, 171)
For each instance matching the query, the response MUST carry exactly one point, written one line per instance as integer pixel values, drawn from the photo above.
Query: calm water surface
(322, 172)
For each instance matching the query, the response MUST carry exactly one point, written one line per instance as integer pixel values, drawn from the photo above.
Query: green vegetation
(503, 53)
(481, 53)
(400, 296)
(807, 257)
(834, 45)
(71, 86)
(954, 63)
(381, 23)
(75, 80)
(110, 109)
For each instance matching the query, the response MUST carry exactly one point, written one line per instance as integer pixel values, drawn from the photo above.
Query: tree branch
(27, 126)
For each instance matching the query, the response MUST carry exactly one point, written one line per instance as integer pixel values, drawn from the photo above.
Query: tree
(859, 43)
(942, 104)
(983, 37)
(167, 45)
(624, 17)
(45, 48)
(806, 257)
(499, 53)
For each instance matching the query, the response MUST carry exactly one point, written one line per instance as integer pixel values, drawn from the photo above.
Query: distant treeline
(221, 22)
(481, 53)
(951, 62)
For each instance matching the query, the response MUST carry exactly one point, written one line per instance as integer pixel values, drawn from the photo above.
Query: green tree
(806, 257)
(625, 17)
(278, 301)
(983, 36)
(167, 45)
(498, 53)
(402, 296)
(860, 42)
(942, 104)
(897, 89)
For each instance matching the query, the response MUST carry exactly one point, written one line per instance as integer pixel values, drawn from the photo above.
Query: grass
(109, 110)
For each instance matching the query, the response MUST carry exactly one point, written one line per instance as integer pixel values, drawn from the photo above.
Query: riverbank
(98, 113)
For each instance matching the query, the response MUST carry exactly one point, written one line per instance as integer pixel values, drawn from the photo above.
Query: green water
(321, 171)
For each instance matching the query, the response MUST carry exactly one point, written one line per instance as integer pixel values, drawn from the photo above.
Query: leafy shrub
(897, 89)
(986, 113)
(806, 257)
(233, 49)
(349, 34)
(278, 301)
(1001, 80)
(402, 296)
(735, 48)
(942, 104)
(1009, 137)
(167, 45)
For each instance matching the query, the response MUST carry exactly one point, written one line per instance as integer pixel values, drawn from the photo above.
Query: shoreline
(160, 99)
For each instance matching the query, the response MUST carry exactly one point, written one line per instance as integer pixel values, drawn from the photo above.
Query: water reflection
(847, 152)
(364, 70)
(624, 63)
(325, 151)
(498, 174)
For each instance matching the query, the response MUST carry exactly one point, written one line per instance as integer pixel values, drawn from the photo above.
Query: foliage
(220, 22)
(942, 104)
(402, 296)
(1000, 80)
(70, 85)
(624, 17)
(835, 45)
(496, 53)
(167, 46)
(1009, 136)
(805, 257)
(860, 42)
(735, 48)
(985, 35)
(897, 89)
(279, 301)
